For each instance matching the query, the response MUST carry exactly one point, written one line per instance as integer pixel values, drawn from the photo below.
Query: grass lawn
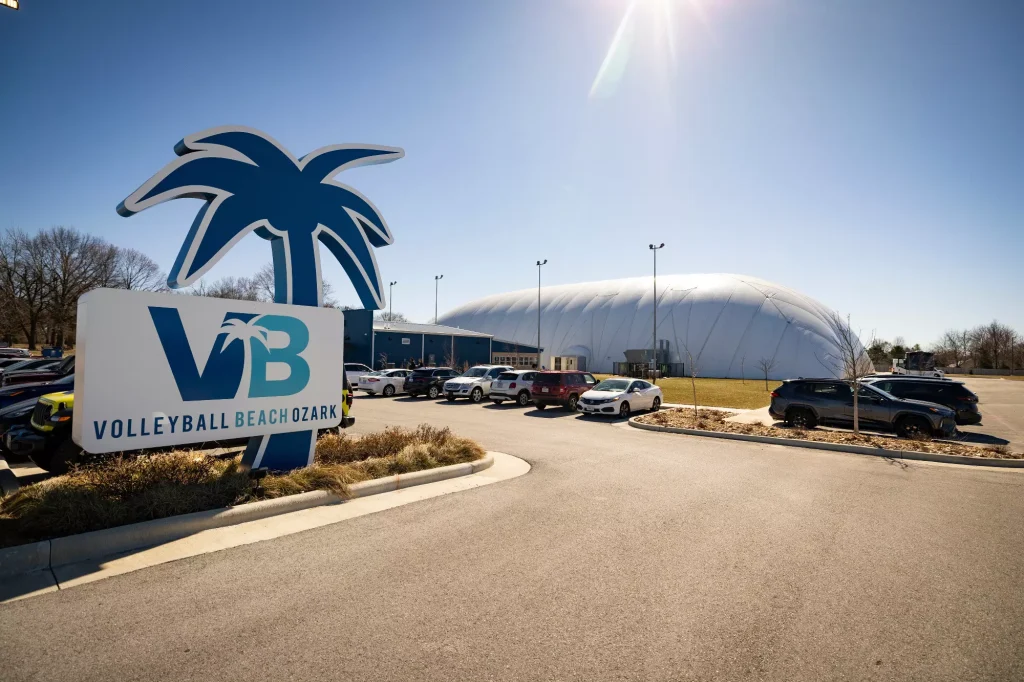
(738, 393)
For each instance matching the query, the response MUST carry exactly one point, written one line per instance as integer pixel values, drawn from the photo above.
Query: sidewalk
(734, 410)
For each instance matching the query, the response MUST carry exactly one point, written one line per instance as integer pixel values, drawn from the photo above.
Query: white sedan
(386, 382)
(620, 396)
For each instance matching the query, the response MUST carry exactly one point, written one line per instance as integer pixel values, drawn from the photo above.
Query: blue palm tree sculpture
(252, 183)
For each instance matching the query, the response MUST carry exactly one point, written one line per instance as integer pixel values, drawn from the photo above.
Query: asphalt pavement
(1001, 402)
(623, 554)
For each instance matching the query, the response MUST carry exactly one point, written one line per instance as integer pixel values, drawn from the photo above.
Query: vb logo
(237, 365)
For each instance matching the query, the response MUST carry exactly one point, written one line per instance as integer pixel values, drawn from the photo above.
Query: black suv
(428, 381)
(804, 403)
(952, 394)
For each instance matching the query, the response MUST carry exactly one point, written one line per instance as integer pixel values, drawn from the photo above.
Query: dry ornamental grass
(122, 490)
(714, 420)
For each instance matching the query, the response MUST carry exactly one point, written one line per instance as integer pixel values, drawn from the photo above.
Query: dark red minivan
(561, 388)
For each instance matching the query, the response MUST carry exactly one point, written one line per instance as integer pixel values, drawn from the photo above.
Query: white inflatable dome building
(726, 323)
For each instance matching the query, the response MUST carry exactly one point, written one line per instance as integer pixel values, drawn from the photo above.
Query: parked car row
(910, 406)
(574, 391)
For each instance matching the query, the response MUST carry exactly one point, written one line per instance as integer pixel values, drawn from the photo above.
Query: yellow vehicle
(47, 439)
(346, 404)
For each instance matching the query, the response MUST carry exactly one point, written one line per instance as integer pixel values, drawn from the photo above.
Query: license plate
(545, 390)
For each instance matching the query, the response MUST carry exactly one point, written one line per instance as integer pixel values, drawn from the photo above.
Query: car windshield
(64, 381)
(374, 374)
(17, 365)
(423, 373)
(612, 385)
(875, 391)
(475, 372)
(506, 376)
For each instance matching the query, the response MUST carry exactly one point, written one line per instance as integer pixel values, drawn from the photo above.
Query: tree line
(42, 275)
(988, 346)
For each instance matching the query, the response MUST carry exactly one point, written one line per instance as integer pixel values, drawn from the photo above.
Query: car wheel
(432, 392)
(914, 428)
(570, 405)
(624, 410)
(61, 456)
(656, 405)
(523, 399)
(801, 418)
(389, 391)
(477, 394)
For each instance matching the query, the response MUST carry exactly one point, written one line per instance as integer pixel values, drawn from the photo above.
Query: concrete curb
(839, 447)
(100, 543)
(24, 558)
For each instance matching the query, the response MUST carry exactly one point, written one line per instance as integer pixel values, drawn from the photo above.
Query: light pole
(437, 278)
(539, 264)
(391, 303)
(654, 358)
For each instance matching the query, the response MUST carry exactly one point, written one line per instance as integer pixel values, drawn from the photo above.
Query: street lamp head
(653, 247)
(544, 263)
(438, 276)
(393, 283)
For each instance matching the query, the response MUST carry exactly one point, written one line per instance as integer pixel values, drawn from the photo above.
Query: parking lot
(623, 554)
(1001, 402)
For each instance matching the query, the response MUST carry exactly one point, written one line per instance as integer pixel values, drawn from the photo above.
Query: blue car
(21, 392)
(14, 417)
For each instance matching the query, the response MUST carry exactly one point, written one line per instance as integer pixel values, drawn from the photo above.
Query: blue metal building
(380, 344)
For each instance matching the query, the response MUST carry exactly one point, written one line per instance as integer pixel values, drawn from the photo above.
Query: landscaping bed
(123, 490)
(714, 420)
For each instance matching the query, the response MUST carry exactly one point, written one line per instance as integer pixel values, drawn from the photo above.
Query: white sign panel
(161, 369)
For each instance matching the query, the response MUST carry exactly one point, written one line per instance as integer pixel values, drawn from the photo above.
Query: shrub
(125, 489)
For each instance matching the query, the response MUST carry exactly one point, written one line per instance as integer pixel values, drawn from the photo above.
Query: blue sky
(869, 154)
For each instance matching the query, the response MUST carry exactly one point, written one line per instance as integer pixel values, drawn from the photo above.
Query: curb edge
(839, 447)
(46, 554)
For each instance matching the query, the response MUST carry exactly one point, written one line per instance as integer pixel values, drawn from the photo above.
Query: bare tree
(450, 359)
(693, 382)
(849, 357)
(1015, 342)
(766, 365)
(385, 316)
(237, 288)
(23, 282)
(75, 263)
(136, 271)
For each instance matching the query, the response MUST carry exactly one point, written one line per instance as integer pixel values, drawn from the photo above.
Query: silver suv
(805, 403)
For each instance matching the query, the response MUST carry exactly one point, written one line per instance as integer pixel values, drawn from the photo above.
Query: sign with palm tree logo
(250, 183)
(158, 369)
